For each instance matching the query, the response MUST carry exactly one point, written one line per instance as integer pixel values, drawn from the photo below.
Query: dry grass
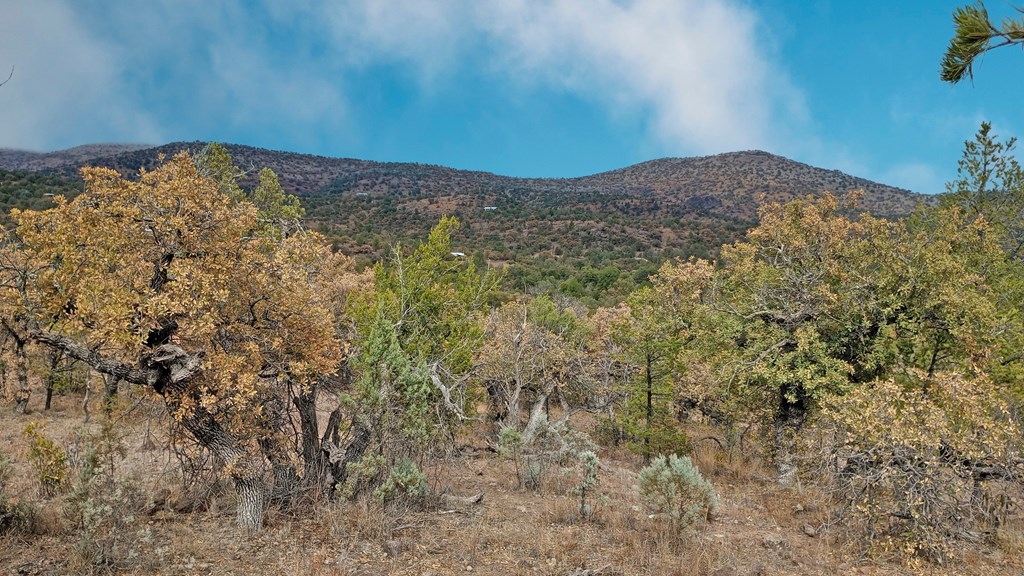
(758, 529)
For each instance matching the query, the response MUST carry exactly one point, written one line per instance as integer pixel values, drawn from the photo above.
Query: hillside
(593, 237)
(25, 160)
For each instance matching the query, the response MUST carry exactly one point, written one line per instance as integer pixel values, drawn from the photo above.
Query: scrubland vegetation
(836, 392)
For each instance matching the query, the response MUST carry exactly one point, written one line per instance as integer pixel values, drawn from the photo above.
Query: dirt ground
(758, 529)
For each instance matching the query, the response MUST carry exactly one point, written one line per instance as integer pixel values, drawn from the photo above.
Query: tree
(653, 331)
(417, 335)
(974, 34)
(816, 303)
(535, 351)
(164, 283)
(990, 184)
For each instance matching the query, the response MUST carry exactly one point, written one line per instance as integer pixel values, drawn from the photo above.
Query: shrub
(103, 510)
(589, 462)
(510, 445)
(48, 460)
(674, 486)
(18, 517)
(405, 481)
(918, 461)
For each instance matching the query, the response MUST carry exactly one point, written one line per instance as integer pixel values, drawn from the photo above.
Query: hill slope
(621, 223)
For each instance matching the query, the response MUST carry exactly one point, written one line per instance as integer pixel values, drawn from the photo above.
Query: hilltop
(593, 236)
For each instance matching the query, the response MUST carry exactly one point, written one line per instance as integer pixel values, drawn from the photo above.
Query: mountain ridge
(545, 230)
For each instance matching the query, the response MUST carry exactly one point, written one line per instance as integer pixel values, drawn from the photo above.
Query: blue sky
(517, 87)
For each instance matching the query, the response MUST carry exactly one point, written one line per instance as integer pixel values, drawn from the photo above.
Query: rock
(775, 542)
(451, 501)
(810, 530)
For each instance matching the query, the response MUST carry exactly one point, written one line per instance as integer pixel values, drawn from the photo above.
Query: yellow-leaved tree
(169, 283)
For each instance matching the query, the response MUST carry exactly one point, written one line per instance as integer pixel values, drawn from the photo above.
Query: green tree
(214, 162)
(417, 335)
(974, 34)
(278, 212)
(653, 330)
(990, 183)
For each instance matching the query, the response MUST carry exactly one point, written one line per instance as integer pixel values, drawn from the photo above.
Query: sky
(532, 88)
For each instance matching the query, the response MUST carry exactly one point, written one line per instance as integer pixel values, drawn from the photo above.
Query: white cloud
(695, 68)
(66, 82)
(697, 72)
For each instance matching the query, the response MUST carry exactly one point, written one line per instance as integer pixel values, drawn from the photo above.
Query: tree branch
(168, 366)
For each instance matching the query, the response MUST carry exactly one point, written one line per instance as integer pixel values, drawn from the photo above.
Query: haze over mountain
(630, 219)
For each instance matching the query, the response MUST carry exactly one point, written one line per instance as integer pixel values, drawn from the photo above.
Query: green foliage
(17, 517)
(990, 184)
(49, 462)
(395, 395)
(104, 509)
(405, 481)
(417, 336)
(510, 442)
(432, 302)
(510, 445)
(278, 212)
(974, 34)
(674, 486)
(363, 474)
(214, 161)
(651, 336)
(588, 461)
(32, 191)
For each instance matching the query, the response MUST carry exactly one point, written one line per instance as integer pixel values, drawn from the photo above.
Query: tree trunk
(788, 419)
(650, 410)
(537, 414)
(169, 369)
(110, 383)
(250, 489)
(23, 393)
(251, 496)
(55, 358)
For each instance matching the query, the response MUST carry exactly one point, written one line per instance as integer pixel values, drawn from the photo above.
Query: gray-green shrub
(674, 486)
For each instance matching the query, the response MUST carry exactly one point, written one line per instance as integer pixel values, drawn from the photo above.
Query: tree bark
(309, 428)
(23, 393)
(55, 357)
(110, 383)
(537, 414)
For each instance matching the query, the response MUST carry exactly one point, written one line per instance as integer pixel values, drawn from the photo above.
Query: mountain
(586, 236)
(35, 161)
